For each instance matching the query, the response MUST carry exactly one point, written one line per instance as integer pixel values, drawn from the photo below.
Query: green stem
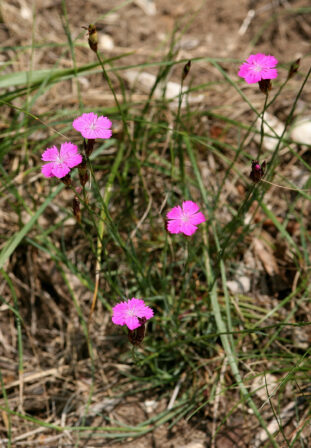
(288, 120)
(178, 140)
(183, 275)
(103, 217)
(121, 112)
(262, 131)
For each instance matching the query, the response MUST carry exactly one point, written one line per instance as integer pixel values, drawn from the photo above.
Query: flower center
(185, 217)
(93, 125)
(257, 67)
(59, 159)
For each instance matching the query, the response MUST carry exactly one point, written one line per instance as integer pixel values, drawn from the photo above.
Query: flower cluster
(134, 313)
(184, 218)
(61, 161)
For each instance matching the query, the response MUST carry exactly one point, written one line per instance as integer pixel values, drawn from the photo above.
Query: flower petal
(46, 170)
(119, 313)
(253, 58)
(269, 73)
(118, 319)
(60, 170)
(102, 128)
(139, 308)
(251, 77)
(50, 154)
(132, 322)
(103, 122)
(174, 226)
(96, 133)
(197, 218)
(69, 154)
(84, 121)
(188, 229)
(190, 207)
(175, 213)
(270, 61)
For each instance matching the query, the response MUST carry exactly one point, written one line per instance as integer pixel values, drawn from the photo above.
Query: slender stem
(101, 224)
(262, 130)
(178, 138)
(183, 275)
(126, 129)
(288, 120)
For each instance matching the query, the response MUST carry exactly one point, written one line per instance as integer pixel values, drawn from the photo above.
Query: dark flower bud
(136, 336)
(76, 209)
(258, 171)
(186, 70)
(265, 85)
(66, 180)
(83, 173)
(93, 38)
(89, 147)
(293, 69)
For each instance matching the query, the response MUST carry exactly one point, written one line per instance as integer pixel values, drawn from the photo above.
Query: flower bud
(136, 336)
(265, 85)
(258, 171)
(76, 209)
(293, 69)
(93, 38)
(89, 146)
(186, 70)
(66, 180)
(83, 173)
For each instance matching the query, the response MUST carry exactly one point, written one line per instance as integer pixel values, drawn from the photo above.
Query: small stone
(242, 285)
(301, 130)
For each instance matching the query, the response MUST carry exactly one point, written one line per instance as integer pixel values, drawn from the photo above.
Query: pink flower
(257, 67)
(184, 219)
(60, 161)
(91, 126)
(128, 313)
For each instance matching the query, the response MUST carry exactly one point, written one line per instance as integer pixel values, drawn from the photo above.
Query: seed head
(93, 38)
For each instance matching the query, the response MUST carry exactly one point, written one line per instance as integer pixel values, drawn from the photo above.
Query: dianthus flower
(91, 126)
(131, 313)
(60, 161)
(257, 67)
(185, 218)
